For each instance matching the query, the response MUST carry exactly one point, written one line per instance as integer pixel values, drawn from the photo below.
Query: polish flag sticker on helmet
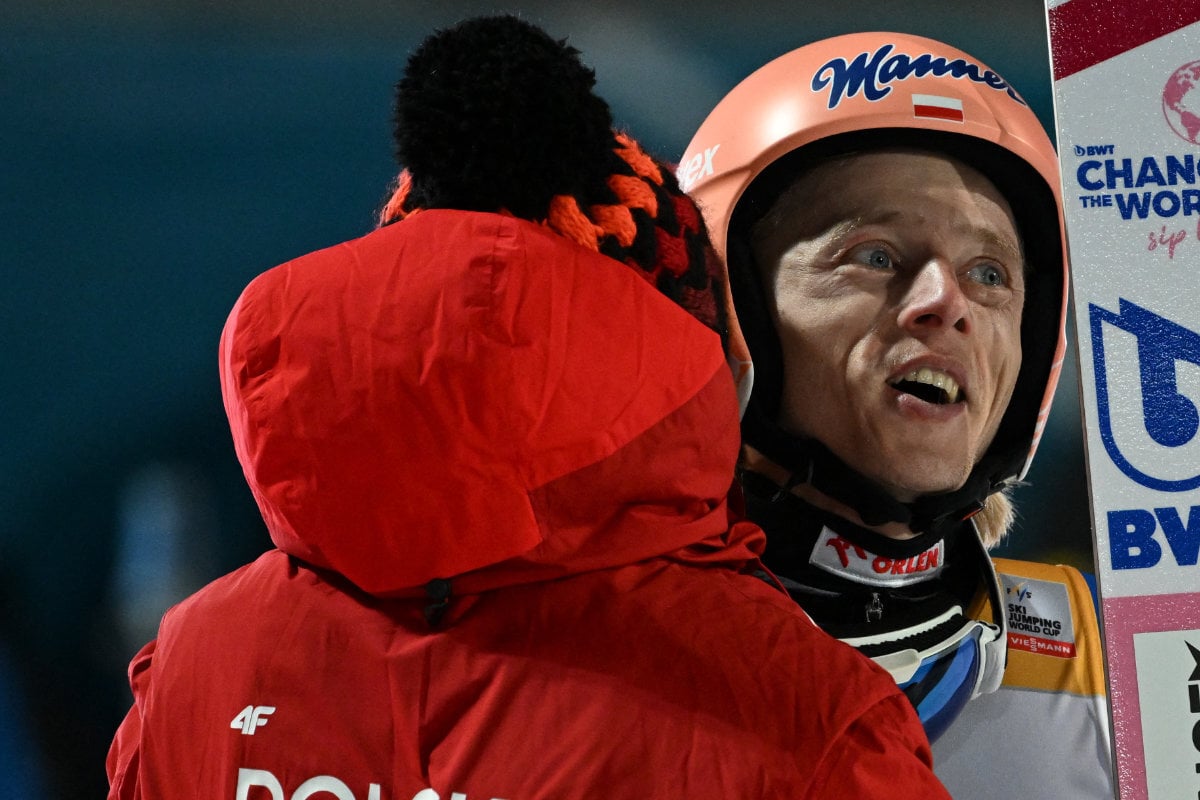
(841, 557)
(937, 107)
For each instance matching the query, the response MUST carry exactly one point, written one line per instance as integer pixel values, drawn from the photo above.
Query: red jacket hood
(469, 395)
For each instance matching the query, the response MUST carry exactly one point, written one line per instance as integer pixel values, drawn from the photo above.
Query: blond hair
(996, 518)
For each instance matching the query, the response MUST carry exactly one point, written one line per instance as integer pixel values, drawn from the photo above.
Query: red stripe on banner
(938, 112)
(1085, 32)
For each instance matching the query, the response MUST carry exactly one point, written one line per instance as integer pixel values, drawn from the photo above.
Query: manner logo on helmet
(872, 74)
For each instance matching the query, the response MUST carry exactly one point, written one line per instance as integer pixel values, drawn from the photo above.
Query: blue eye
(987, 275)
(876, 258)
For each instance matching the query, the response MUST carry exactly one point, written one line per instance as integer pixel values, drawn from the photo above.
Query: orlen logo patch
(845, 559)
(874, 73)
(1181, 102)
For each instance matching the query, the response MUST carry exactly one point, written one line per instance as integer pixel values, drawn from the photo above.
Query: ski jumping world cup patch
(1039, 616)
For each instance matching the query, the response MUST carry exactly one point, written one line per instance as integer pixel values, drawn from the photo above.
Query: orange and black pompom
(496, 115)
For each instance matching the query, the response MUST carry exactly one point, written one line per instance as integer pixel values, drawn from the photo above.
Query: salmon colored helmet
(866, 91)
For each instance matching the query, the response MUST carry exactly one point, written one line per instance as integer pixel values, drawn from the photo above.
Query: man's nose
(935, 300)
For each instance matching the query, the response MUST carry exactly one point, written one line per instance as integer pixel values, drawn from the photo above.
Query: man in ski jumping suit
(889, 212)
(493, 449)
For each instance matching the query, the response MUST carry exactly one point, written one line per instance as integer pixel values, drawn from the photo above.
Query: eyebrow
(1012, 250)
(1003, 243)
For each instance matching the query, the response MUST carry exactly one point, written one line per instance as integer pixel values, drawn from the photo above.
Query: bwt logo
(1138, 354)
(1095, 150)
(1147, 371)
(1131, 541)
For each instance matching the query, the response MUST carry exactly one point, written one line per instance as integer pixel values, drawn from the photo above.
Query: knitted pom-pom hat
(495, 115)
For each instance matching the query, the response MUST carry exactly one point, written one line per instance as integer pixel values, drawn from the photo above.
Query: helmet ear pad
(1035, 211)
(755, 310)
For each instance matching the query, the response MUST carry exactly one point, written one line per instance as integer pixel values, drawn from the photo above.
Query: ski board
(1127, 108)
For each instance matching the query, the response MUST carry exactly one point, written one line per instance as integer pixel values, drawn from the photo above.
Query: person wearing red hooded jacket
(492, 442)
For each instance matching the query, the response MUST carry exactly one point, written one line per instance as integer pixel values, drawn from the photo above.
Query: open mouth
(931, 386)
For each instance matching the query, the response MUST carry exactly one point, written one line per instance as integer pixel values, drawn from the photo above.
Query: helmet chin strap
(812, 463)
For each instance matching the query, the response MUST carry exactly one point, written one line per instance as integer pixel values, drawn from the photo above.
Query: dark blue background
(153, 161)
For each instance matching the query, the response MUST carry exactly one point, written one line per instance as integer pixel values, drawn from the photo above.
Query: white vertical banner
(1127, 103)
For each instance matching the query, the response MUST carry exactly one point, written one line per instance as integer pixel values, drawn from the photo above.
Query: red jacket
(494, 465)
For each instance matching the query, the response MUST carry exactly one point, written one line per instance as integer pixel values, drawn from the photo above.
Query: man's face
(897, 279)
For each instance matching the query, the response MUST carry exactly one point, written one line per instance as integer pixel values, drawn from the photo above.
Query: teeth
(934, 378)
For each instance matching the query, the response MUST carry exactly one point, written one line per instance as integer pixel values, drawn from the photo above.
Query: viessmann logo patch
(1039, 616)
(845, 559)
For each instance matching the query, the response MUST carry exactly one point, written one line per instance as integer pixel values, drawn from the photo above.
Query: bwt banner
(1127, 100)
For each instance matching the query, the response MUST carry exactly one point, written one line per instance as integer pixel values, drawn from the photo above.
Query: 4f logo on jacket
(251, 719)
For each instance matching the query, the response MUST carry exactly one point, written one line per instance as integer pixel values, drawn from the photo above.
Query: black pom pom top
(494, 114)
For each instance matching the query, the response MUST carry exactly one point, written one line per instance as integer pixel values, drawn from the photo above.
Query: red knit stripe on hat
(686, 213)
(672, 253)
